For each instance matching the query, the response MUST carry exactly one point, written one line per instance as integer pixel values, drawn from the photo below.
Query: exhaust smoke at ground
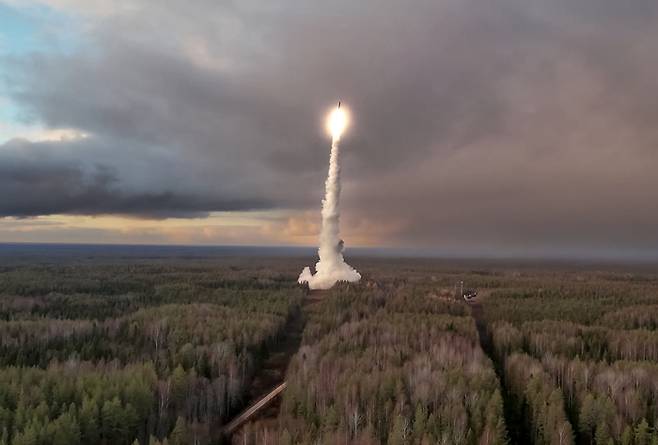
(331, 267)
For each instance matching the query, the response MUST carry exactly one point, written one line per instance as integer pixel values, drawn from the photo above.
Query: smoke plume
(331, 267)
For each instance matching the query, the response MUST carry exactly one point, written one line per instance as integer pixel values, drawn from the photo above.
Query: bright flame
(337, 122)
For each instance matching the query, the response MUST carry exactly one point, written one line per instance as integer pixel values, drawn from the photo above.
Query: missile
(338, 104)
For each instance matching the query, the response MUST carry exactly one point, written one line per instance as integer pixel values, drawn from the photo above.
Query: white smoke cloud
(331, 267)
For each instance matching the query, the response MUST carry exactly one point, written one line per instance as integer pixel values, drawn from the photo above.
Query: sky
(478, 127)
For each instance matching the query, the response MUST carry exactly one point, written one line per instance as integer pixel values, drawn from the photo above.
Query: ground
(549, 352)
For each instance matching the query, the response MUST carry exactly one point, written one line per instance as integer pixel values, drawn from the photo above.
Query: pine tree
(29, 436)
(130, 420)
(179, 434)
(420, 421)
(602, 435)
(587, 419)
(88, 419)
(286, 439)
(331, 419)
(112, 421)
(398, 435)
(179, 385)
(627, 436)
(65, 430)
(495, 421)
(642, 434)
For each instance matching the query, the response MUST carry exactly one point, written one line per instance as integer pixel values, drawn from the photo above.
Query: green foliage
(594, 340)
(179, 435)
(400, 368)
(121, 354)
(152, 352)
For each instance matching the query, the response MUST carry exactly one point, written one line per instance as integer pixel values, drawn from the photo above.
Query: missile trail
(331, 267)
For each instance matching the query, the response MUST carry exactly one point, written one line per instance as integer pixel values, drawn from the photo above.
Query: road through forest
(515, 426)
(264, 398)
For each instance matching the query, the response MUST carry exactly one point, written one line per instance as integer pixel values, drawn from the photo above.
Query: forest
(168, 350)
(591, 345)
(123, 354)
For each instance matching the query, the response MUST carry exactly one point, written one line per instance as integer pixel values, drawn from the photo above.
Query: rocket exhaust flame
(337, 123)
(331, 267)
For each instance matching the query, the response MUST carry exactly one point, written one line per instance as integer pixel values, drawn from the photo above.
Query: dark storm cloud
(34, 182)
(498, 123)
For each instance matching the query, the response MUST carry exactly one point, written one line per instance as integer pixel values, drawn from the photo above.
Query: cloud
(68, 177)
(507, 124)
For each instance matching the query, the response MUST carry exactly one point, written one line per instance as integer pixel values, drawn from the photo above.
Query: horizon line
(383, 251)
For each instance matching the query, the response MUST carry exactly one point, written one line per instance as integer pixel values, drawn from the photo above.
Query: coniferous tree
(179, 435)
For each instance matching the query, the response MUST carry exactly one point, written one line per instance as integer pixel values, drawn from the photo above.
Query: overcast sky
(504, 126)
